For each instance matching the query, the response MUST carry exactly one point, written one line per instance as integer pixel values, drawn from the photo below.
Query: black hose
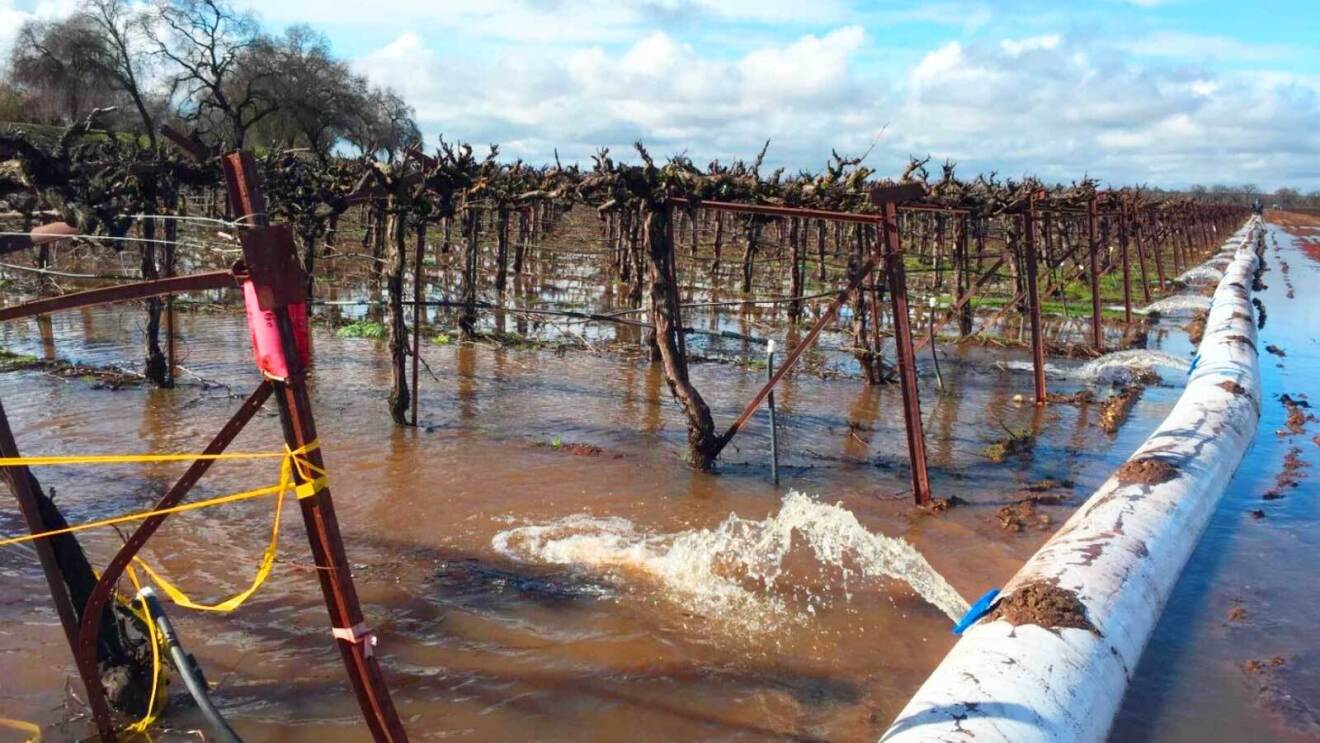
(189, 671)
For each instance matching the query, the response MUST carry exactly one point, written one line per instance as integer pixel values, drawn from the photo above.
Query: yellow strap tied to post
(314, 480)
(293, 460)
(33, 732)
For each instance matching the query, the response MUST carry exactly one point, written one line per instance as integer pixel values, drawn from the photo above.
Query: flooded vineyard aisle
(538, 561)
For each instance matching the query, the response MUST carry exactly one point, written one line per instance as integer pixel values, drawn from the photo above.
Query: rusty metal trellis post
(418, 294)
(1093, 245)
(20, 483)
(1134, 224)
(1127, 264)
(907, 361)
(105, 585)
(888, 251)
(274, 249)
(1033, 298)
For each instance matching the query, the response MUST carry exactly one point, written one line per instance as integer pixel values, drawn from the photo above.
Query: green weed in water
(363, 329)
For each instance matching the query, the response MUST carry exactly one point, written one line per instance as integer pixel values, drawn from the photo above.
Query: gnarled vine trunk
(749, 253)
(156, 369)
(703, 442)
(467, 319)
(400, 399)
(501, 250)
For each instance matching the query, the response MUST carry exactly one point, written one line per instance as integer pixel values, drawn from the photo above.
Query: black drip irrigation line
(189, 671)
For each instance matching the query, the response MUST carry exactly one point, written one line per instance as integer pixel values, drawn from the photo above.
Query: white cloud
(715, 78)
(940, 62)
(11, 19)
(1048, 104)
(658, 89)
(1182, 45)
(1068, 108)
(1017, 47)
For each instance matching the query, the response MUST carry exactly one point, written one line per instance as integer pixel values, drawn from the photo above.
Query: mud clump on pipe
(1045, 605)
(1233, 387)
(1146, 472)
(1196, 328)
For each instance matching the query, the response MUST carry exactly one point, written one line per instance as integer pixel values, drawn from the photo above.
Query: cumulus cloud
(1054, 104)
(1061, 107)
(658, 89)
(716, 78)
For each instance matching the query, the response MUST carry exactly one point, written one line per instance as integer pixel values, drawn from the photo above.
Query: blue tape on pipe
(978, 610)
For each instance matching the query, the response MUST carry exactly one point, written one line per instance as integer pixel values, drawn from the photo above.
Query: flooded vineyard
(563, 538)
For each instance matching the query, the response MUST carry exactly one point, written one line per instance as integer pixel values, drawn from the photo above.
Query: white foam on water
(1113, 364)
(1026, 366)
(1185, 304)
(1202, 273)
(738, 570)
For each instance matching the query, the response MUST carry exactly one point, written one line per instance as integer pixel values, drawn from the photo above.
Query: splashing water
(737, 570)
(1111, 366)
(1205, 273)
(1107, 366)
(1025, 366)
(1184, 304)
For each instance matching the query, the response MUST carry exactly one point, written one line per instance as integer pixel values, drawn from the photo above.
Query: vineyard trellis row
(1036, 227)
(960, 246)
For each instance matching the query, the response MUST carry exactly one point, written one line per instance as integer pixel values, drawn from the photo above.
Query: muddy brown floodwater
(539, 563)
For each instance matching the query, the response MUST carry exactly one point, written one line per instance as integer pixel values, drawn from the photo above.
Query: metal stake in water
(774, 430)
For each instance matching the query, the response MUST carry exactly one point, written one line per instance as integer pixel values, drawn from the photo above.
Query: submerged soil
(535, 558)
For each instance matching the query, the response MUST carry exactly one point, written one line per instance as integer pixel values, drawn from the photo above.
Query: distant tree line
(204, 66)
(1246, 194)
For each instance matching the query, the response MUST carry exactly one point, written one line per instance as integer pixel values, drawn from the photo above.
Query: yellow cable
(48, 461)
(306, 489)
(263, 569)
(315, 479)
(23, 727)
(157, 670)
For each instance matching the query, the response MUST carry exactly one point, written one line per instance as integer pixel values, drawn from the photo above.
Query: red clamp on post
(358, 634)
(275, 280)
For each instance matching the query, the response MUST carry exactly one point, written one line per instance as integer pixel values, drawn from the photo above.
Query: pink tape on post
(265, 335)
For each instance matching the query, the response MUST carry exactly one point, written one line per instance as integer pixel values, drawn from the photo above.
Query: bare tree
(222, 65)
(317, 94)
(384, 123)
(57, 66)
(119, 55)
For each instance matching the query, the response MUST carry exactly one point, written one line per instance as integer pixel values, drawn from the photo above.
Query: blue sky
(1165, 92)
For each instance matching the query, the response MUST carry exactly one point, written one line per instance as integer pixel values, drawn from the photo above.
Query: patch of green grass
(443, 339)
(752, 363)
(364, 329)
(505, 339)
(10, 361)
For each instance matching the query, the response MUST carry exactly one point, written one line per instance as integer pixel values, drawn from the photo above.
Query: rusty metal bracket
(277, 275)
(122, 293)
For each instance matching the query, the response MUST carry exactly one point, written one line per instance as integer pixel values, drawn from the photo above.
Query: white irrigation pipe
(1119, 556)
